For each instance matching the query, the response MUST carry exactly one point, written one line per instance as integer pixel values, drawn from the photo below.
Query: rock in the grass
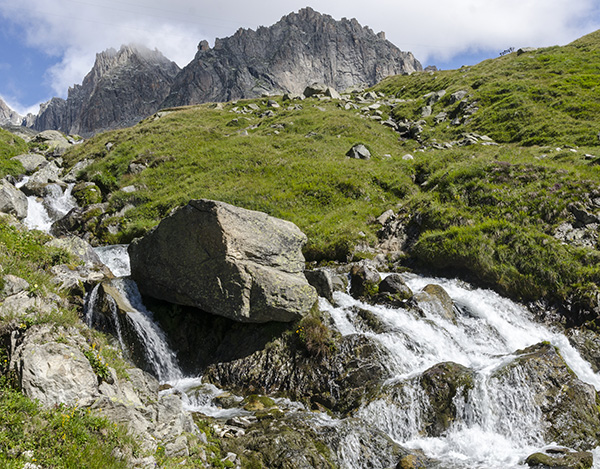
(359, 151)
(229, 261)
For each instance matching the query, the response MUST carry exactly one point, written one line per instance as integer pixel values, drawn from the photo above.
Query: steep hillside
(546, 96)
(515, 216)
(301, 49)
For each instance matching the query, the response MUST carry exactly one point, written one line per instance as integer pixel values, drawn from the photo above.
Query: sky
(47, 46)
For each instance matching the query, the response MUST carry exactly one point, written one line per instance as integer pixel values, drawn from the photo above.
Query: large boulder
(12, 200)
(225, 260)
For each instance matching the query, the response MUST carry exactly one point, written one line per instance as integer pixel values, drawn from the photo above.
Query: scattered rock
(435, 300)
(359, 151)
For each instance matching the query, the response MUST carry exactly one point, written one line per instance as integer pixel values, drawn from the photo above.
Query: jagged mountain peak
(301, 48)
(122, 87)
(8, 115)
(111, 59)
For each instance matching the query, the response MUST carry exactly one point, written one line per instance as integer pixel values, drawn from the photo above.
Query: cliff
(301, 49)
(123, 87)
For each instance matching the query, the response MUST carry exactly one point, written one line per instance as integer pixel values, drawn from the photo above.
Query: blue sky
(49, 45)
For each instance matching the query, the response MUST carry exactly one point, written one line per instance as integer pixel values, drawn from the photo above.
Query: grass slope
(292, 166)
(488, 212)
(544, 97)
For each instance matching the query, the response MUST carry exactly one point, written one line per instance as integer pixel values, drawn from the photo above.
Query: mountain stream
(496, 427)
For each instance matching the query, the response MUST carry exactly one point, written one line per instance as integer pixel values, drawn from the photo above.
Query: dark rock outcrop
(225, 260)
(302, 48)
(122, 88)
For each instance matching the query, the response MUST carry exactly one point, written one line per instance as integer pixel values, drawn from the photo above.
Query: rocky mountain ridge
(123, 87)
(302, 48)
(8, 115)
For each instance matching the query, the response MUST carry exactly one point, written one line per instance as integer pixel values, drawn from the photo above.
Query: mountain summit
(123, 87)
(301, 49)
(9, 116)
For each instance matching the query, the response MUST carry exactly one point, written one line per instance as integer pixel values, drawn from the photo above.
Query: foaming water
(499, 423)
(116, 258)
(43, 212)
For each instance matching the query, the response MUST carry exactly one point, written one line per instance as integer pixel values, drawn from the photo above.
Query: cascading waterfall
(43, 212)
(497, 422)
(157, 353)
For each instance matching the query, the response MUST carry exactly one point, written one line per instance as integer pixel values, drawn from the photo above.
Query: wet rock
(394, 284)
(225, 260)
(12, 200)
(341, 381)
(435, 300)
(562, 458)
(568, 405)
(359, 152)
(322, 280)
(442, 383)
(364, 281)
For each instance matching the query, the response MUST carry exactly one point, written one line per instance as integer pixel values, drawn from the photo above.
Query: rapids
(496, 427)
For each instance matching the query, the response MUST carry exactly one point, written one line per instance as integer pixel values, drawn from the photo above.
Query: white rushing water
(498, 423)
(42, 212)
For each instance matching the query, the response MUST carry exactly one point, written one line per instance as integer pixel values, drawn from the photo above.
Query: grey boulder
(12, 200)
(228, 261)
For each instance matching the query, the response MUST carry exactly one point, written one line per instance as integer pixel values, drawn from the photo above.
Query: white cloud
(75, 30)
(13, 103)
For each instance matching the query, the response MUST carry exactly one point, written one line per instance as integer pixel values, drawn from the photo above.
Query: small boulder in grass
(359, 151)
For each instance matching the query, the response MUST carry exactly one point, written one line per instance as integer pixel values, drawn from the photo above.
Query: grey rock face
(30, 161)
(122, 88)
(302, 48)
(225, 260)
(8, 116)
(12, 200)
(54, 372)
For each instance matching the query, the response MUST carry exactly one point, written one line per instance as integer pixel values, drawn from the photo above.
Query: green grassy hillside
(292, 166)
(487, 212)
(10, 145)
(548, 96)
